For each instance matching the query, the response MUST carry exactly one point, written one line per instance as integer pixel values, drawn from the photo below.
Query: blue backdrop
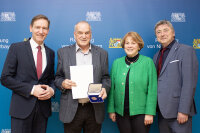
(110, 21)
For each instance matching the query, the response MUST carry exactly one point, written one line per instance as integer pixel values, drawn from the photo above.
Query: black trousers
(132, 124)
(36, 122)
(83, 120)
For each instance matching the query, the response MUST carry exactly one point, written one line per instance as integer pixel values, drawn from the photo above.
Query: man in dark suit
(78, 114)
(177, 68)
(29, 72)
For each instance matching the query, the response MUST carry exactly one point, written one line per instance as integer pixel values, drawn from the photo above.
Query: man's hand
(38, 90)
(43, 92)
(182, 118)
(148, 119)
(48, 93)
(112, 116)
(67, 84)
(103, 93)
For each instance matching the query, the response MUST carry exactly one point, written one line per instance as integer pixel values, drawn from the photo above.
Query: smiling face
(83, 34)
(131, 47)
(165, 35)
(40, 30)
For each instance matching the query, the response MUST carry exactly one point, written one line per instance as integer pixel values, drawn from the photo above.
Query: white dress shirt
(83, 59)
(35, 51)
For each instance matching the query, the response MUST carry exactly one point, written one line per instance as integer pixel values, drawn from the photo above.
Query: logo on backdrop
(55, 106)
(178, 17)
(26, 39)
(196, 43)
(93, 16)
(115, 43)
(4, 44)
(6, 131)
(8, 16)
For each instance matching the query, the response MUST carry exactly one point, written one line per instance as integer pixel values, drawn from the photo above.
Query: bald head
(80, 23)
(83, 34)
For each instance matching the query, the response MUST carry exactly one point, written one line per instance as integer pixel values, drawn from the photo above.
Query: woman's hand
(112, 116)
(148, 119)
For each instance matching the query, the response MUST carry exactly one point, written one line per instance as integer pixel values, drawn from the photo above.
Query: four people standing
(177, 69)
(133, 95)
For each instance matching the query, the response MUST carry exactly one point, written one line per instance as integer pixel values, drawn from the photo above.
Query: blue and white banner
(110, 21)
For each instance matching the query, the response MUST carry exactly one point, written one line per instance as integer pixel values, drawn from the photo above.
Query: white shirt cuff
(32, 90)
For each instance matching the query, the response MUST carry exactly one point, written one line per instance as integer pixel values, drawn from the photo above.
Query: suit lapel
(48, 60)
(95, 59)
(72, 55)
(170, 55)
(156, 57)
(30, 56)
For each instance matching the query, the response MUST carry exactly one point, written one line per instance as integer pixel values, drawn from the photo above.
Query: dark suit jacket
(177, 81)
(67, 58)
(19, 74)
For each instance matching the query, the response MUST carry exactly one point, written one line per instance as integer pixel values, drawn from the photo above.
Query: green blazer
(142, 86)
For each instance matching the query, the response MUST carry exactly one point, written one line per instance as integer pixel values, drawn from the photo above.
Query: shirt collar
(34, 44)
(79, 49)
(170, 45)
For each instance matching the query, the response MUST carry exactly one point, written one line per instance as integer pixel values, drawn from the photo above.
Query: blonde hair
(136, 37)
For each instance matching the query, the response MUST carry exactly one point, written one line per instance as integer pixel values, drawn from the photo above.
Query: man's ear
(74, 35)
(31, 28)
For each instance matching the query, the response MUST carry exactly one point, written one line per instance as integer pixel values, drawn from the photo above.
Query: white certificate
(82, 75)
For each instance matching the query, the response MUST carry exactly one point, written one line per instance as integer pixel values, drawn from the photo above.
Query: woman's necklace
(131, 61)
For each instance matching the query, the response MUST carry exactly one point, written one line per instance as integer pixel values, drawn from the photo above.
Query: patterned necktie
(39, 62)
(160, 61)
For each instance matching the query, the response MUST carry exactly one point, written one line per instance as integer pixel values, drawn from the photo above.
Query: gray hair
(162, 22)
(82, 22)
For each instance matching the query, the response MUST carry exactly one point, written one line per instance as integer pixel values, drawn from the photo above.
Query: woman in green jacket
(133, 96)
